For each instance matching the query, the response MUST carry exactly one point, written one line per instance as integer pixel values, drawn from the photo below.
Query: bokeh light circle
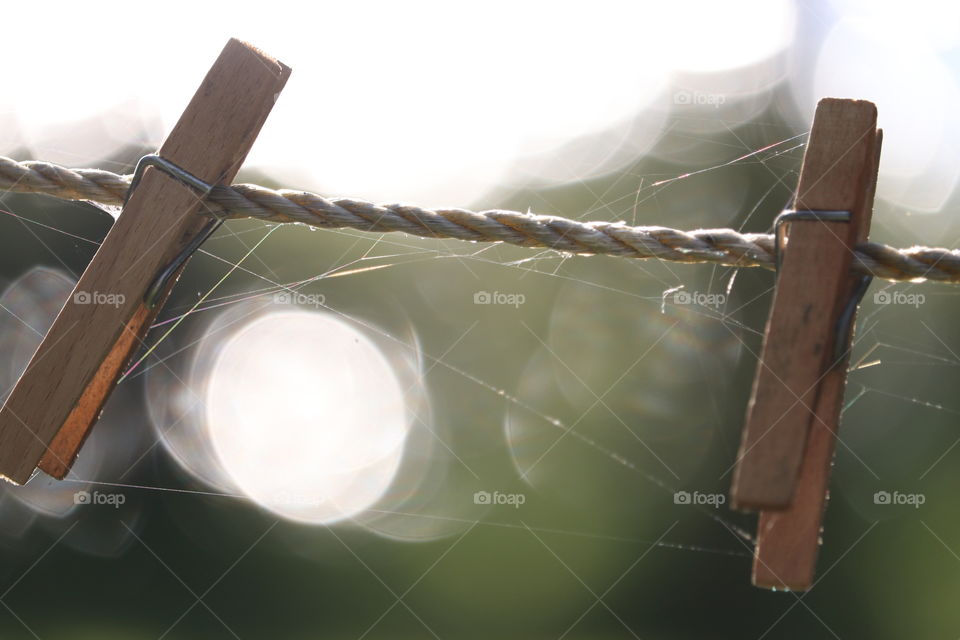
(306, 416)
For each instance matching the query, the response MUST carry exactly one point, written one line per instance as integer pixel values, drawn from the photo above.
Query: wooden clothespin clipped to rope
(790, 433)
(60, 395)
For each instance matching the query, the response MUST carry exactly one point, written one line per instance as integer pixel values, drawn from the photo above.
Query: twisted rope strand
(718, 246)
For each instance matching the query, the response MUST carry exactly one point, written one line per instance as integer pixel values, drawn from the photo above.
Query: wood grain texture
(788, 540)
(812, 287)
(77, 364)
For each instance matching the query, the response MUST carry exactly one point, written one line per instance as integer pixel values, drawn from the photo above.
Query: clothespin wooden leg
(61, 393)
(788, 440)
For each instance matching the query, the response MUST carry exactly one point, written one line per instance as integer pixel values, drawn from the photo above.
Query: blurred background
(355, 435)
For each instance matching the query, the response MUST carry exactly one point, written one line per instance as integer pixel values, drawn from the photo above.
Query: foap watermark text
(700, 299)
(98, 297)
(512, 499)
(686, 98)
(899, 297)
(114, 500)
(500, 298)
(299, 299)
(697, 498)
(914, 500)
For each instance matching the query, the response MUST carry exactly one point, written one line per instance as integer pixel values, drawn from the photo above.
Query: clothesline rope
(726, 247)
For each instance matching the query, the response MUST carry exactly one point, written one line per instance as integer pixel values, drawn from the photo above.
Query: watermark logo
(899, 297)
(513, 499)
(299, 299)
(896, 498)
(98, 297)
(715, 300)
(685, 98)
(497, 297)
(697, 498)
(97, 498)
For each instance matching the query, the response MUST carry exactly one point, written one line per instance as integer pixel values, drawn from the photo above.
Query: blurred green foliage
(589, 521)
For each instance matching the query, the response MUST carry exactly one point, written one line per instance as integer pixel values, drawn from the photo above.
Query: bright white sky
(437, 102)
(414, 100)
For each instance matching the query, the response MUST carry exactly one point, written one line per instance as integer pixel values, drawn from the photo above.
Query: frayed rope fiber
(718, 246)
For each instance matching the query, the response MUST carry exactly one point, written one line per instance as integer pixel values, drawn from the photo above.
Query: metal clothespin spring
(841, 338)
(152, 296)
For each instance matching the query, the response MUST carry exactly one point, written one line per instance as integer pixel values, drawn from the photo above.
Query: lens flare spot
(306, 416)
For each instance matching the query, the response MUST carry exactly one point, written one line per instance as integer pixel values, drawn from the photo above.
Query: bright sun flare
(306, 416)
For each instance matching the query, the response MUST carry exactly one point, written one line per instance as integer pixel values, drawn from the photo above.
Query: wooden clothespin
(788, 441)
(60, 395)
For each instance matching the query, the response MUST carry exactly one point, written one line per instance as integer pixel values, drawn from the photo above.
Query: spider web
(606, 392)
